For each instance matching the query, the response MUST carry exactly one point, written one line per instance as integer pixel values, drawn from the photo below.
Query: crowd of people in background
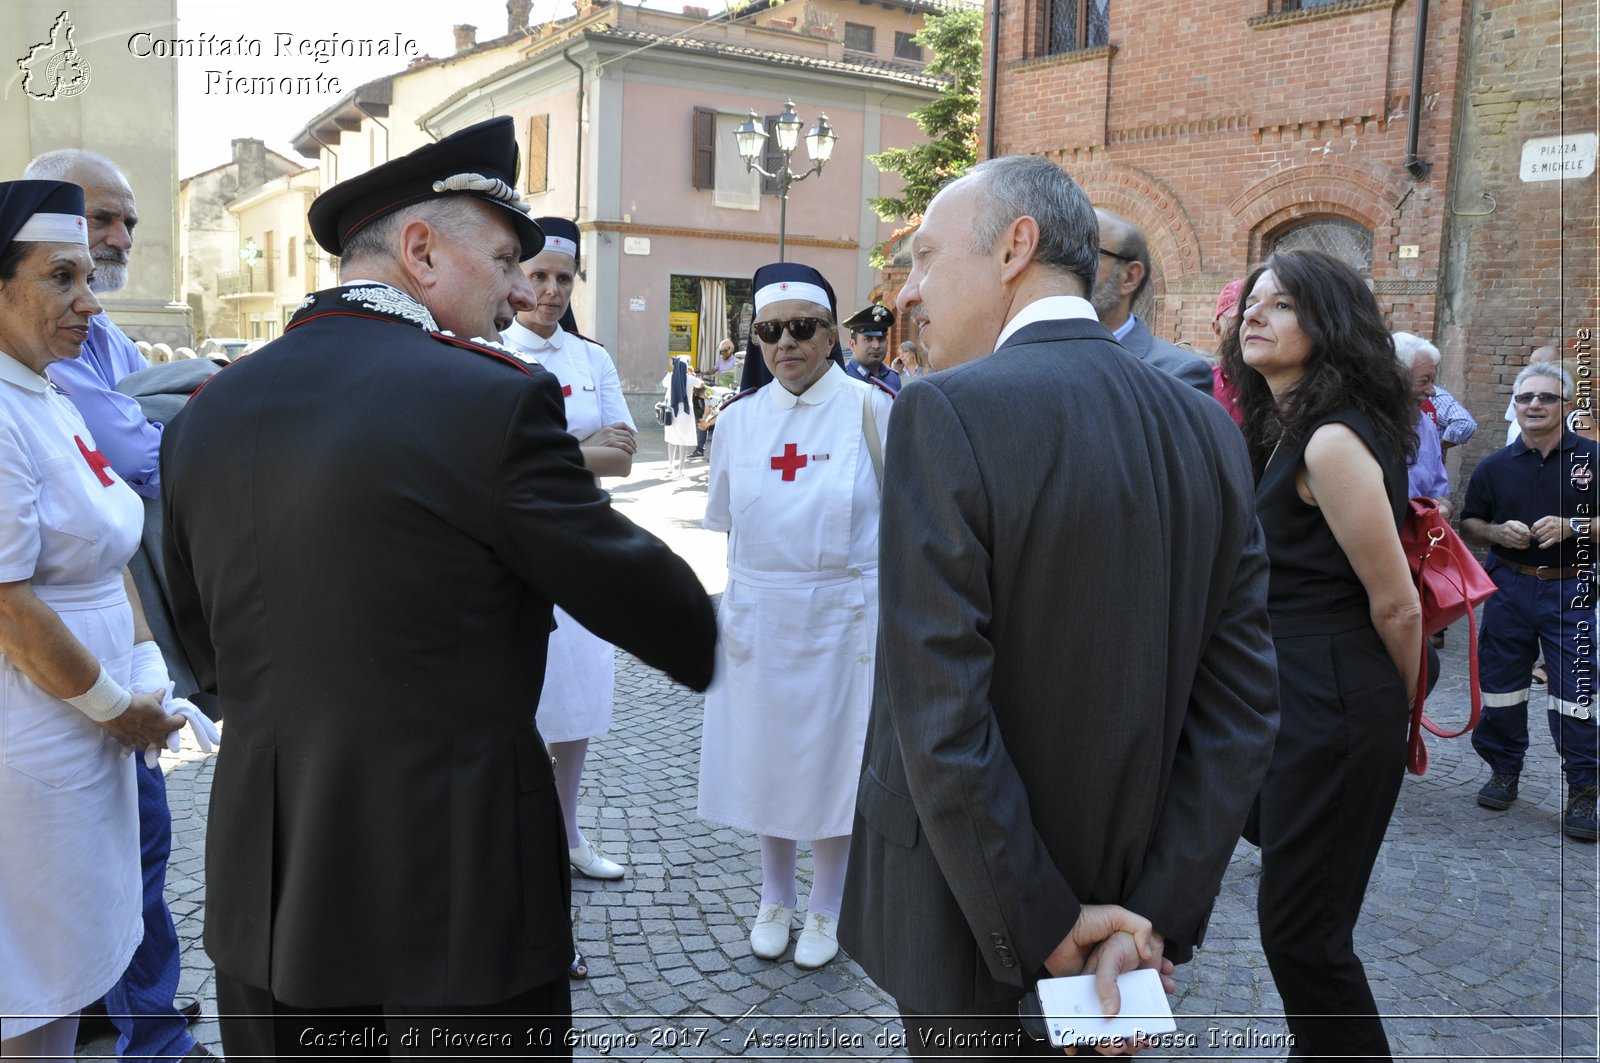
(403, 590)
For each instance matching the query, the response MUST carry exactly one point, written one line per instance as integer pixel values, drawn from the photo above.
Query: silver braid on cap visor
(488, 186)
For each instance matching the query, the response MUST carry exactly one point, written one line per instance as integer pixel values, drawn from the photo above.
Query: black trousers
(534, 1024)
(1328, 795)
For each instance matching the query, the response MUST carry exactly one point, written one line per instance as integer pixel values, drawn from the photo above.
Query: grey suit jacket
(1076, 692)
(1185, 365)
(161, 390)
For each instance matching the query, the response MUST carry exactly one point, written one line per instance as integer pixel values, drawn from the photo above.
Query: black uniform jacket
(367, 523)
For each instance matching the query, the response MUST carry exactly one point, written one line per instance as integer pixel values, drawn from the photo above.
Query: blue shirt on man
(131, 443)
(1425, 476)
(884, 373)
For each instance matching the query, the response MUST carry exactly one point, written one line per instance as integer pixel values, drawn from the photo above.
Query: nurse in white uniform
(575, 704)
(795, 482)
(75, 653)
(683, 434)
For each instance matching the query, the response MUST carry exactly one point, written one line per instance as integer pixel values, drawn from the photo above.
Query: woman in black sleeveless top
(1330, 429)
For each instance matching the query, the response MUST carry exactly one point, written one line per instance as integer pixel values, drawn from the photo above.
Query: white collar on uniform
(525, 339)
(823, 390)
(16, 373)
(1050, 308)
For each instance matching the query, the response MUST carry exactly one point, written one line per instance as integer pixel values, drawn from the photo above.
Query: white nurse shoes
(819, 942)
(591, 863)
(769, 937)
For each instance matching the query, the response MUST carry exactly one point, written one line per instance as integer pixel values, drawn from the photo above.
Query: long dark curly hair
(1352, 362)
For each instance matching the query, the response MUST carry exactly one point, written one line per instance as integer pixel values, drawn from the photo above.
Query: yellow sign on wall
(683, 333)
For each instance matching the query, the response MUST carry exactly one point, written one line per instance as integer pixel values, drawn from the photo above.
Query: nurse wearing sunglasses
(795, 482)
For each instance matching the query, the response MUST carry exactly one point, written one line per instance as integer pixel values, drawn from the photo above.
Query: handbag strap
(1416, 748)
(1472, 670)
(869, 428)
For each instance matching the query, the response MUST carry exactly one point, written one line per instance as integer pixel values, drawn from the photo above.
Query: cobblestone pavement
(1479, 930)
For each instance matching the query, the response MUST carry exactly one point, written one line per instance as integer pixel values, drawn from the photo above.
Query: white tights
(569, 775)
(53, 1040)
(830, 858)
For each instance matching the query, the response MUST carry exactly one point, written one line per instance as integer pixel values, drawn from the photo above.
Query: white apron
(69, 822)
(786, 718)
(580, 671)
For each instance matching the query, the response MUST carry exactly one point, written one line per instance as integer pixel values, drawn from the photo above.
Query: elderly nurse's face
(45, 308)
(797, 364)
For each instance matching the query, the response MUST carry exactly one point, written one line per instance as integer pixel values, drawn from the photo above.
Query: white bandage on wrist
(106, 700)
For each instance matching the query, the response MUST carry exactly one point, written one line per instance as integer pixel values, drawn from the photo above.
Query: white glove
(148, 675)
(147, 672)
(205, 732)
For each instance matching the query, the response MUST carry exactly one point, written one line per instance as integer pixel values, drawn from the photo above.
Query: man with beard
(1124, 271)
(150, 1022)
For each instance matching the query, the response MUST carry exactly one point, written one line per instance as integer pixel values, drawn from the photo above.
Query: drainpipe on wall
(1415, 166)
(994, 75)
(374, 120)
(334, 177)
(577, 188)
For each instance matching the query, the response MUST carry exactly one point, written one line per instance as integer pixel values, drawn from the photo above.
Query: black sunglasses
(801, 328)
(1527, 397)
(1119, 258)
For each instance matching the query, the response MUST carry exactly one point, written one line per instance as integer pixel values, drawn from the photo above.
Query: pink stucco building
(626, 119)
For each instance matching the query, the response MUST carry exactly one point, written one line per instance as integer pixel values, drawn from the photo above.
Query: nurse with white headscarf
(580, 675)
(81, 680)
(683, 434)
(795, 482)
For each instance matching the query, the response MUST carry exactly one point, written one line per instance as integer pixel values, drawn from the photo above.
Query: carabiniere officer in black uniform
(368, 521)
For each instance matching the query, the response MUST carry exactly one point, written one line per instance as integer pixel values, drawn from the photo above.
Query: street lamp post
(752, 139)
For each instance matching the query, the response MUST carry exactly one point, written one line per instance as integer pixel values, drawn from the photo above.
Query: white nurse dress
(792, 482)
(580, 672)
(69, 823)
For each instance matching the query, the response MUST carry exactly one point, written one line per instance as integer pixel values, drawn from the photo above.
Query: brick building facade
(1230, 128)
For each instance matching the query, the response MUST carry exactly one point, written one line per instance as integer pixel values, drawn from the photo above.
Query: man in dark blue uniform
(1533, 505)
(869, 346)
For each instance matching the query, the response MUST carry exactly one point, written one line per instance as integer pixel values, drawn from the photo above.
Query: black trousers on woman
(1328, 795)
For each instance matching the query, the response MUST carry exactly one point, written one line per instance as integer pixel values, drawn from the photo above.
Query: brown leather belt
(1545, 572)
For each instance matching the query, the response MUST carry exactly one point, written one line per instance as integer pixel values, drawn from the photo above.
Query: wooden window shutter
(538, 153)
(771, 158)
(704, 163)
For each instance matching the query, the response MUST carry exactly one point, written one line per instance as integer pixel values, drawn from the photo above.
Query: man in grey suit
(1124, 272)
(1075, 705)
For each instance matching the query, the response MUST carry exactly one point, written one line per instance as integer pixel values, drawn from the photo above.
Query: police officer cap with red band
(479, 161)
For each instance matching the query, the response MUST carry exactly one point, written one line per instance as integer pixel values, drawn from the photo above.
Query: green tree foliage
(950, 122)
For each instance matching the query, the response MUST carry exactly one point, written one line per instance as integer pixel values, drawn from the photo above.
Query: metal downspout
(1415, 166)
(577, 189)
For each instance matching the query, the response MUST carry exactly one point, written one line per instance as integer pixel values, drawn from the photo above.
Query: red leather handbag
(1450, 583)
